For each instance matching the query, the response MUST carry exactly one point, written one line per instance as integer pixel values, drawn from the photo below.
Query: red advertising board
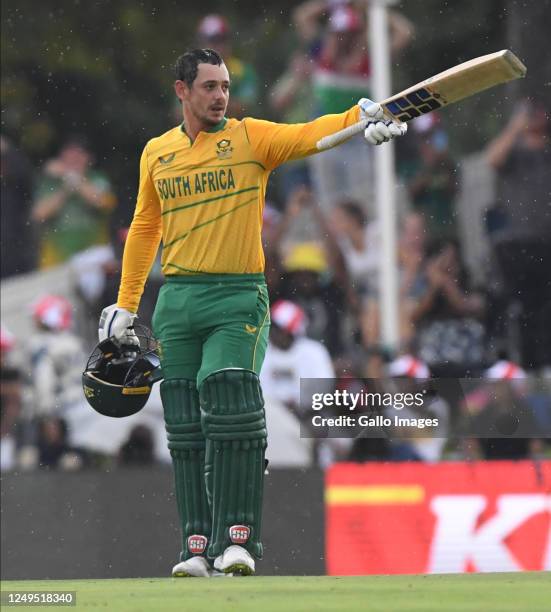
(412, 518)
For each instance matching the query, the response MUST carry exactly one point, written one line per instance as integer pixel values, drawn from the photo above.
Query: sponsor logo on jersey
(197, 544)
(251, 329)
(239, 534)
(167, 158)
(224, 149)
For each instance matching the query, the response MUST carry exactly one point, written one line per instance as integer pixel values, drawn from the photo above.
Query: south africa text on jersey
(200, 182)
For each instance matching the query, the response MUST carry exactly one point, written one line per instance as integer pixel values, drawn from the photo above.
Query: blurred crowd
(322, 244)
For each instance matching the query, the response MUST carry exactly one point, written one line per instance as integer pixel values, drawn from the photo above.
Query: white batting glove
(380, 129)
(117, 323)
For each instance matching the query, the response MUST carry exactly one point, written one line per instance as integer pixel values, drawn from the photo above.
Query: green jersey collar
(216, 128)
(219, 126)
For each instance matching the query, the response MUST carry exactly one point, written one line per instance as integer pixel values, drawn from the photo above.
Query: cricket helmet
(408, 366)
(344, 19)
(118, 378)
(53, 312)
(213, 26)
(289, 317)
(508, 372)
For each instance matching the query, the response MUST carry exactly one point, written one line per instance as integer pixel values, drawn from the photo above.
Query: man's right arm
(142, 242)
(277, 143)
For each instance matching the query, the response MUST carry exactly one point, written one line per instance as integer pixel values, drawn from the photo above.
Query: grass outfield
(530, 592)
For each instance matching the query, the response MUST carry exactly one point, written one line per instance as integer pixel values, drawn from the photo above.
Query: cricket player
(201, 192)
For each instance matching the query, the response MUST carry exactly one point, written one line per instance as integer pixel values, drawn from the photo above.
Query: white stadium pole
(379, 49)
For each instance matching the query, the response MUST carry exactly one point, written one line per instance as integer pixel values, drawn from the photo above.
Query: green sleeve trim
(208, 200)
(200, 225)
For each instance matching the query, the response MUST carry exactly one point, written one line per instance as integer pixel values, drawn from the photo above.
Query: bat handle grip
(328, 142)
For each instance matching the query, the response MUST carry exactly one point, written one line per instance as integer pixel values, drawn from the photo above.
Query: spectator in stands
(499, 418)
(214, 32)
(359, 242)
(521, 154)
(271, 241)
(72, 204)
(450, 336)
(90, 269)
(351, 376)
(307, 283)
(432, 181)
(410, 375)
(291, 356)
(57, 358)
(16, 242)
(291, 359)
(323, 284)
(54, 451)
(411, 261)
(10, 401)
(139, 449)
(291, 98)
(412, 253)
(340, 77)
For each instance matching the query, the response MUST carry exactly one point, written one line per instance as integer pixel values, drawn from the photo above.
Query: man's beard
(205, 119)
(211, 122)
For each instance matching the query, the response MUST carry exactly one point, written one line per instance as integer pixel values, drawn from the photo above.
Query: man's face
(75, 158)
(305, 282)
(280, 338)
(208, 96)
(413, 231)
(345, 41)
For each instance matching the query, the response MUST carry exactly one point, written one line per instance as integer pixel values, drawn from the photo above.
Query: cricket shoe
(194, 567)
(235, 560)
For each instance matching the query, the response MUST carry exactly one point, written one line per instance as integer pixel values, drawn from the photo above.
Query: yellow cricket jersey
(205, 198)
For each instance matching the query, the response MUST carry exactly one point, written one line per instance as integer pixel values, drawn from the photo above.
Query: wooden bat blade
(455, 84)
(447, 87)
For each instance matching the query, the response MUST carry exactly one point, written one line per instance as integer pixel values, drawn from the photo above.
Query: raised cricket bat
(449, 86)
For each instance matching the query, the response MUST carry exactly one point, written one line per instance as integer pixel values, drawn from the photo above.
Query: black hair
(354, 210)
(186, 66)
(76, 140)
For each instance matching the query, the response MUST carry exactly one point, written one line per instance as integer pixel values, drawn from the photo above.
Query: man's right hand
(117, 323)
(379, 129)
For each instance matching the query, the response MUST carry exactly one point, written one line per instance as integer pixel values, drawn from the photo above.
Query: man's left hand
(117, 323)
(380, 128)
